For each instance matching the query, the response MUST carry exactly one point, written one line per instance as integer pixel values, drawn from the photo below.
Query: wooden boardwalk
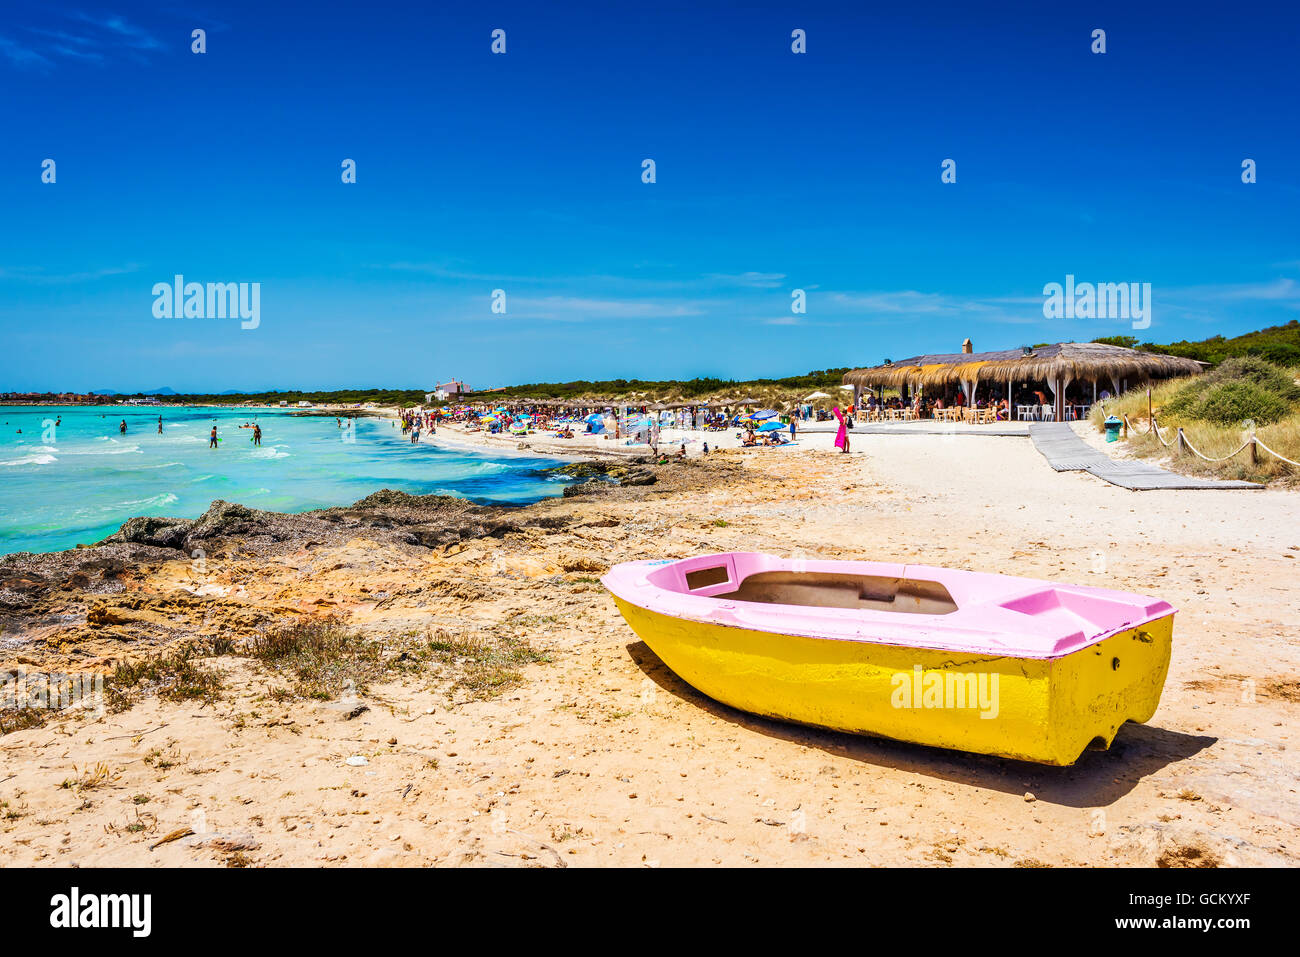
(1066, 452)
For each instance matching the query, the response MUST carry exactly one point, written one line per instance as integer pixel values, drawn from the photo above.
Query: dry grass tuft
(95, 776)
(325, 658)
(177, 675)
(482, 665)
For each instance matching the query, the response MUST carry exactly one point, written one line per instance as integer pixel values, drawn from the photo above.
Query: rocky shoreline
(151, 581)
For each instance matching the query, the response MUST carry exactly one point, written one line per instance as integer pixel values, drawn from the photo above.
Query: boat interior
(830, 590)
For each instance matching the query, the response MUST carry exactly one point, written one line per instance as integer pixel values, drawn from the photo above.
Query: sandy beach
(599, 755)
(811, 435)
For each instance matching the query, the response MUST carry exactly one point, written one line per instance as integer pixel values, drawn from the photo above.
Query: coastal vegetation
(1277, 344)
(179, 674)
(321, 659)
(324, 658)
(1216, 413)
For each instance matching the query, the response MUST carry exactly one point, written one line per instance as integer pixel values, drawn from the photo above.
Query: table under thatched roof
(1060, 360)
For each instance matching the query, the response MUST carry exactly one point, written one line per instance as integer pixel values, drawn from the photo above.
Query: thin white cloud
(126, 32)
(1277, 290)
(23, 57)
(579, 308)
(95, 39)
(906, 301)
(754, 280)
(37, 274)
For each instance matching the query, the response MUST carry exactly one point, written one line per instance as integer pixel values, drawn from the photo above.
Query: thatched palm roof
(1078, 360)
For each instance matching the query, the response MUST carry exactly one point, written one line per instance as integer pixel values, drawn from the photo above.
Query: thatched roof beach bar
(1056, 365)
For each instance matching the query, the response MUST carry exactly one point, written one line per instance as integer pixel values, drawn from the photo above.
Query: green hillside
(1277, 344)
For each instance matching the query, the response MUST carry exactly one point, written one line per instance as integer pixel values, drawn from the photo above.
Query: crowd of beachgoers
(672, 429)
(682, 428)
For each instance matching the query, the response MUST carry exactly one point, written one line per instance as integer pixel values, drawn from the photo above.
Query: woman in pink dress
(842, 436)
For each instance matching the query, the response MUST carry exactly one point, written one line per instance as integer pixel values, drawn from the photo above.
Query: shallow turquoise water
(78, 481)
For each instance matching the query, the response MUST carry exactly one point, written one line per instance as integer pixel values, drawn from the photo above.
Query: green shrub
(1241, 388)
(1269, 377)
(1231, 403)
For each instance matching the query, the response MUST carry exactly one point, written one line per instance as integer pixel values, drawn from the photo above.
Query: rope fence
(1181, 443)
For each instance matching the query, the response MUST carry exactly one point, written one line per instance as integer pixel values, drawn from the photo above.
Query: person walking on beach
(842, 436)
(212, 439)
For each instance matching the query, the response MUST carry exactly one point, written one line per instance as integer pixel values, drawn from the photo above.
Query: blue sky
(522, 172)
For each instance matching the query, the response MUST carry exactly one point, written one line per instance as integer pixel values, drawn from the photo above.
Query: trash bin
(1112, 428)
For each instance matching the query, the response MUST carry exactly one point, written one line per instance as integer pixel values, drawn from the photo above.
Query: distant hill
(1280, 344)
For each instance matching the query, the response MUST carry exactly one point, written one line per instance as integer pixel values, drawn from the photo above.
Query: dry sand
(603, 757)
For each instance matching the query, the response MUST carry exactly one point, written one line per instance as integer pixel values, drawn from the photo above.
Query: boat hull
(1046, 710)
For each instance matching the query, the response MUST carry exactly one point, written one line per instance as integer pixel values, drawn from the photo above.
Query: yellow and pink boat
(993, 664)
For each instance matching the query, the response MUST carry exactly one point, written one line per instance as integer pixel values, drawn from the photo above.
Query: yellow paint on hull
(1043, 710)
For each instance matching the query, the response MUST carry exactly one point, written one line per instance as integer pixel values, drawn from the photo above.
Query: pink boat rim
(941, 608)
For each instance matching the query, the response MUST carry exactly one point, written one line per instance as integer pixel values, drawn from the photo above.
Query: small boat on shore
(992, 664)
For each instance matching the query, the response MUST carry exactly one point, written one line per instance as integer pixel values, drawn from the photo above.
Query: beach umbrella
(764, 414)
(772, 427)
(815, 396)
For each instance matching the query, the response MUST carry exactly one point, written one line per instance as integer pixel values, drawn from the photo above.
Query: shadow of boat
(1097, 779)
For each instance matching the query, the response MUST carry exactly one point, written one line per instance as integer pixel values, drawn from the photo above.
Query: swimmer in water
(212, 439)
(122, 428)
(257, 435)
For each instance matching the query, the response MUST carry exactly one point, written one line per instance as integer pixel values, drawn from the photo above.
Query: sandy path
(605, 757)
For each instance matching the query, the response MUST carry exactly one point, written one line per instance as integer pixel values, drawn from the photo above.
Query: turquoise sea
(69, 477)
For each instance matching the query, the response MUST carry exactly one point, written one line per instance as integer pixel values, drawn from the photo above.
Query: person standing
(212, 438)
(842, 436)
